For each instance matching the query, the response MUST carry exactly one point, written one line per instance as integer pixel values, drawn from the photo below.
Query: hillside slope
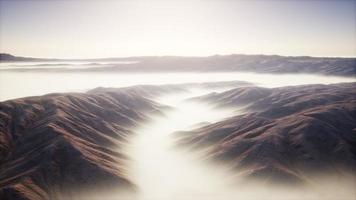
(54, 146)
(288, 134)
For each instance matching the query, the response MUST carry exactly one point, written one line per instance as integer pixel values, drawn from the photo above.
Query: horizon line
(168, 55)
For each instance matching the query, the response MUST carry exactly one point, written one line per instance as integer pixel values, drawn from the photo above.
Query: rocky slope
(56, 145)
(288, 134)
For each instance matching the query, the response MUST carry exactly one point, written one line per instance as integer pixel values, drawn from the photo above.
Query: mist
(162, 170)
(32, 83)
(177, 100)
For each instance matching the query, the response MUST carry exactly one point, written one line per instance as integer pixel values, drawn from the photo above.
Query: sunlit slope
(55, 146)
(286, 135)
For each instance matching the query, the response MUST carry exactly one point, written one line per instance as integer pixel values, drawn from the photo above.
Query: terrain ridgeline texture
(57, 145)
(284, 135)
(54, 146)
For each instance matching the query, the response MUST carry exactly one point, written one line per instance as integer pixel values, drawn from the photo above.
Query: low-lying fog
(21, 84)
(59, 64)
(162, 171)
(156, 166)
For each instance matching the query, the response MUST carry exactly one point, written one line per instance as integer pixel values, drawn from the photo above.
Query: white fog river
(163, 172)
(157, 167)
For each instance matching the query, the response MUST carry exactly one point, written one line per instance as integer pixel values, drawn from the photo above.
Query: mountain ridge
(226, 63)
(76, 141)
(288, 134)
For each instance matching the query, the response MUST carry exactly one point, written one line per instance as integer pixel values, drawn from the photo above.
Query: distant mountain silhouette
(9, 57)
(224, 63)
(5, 57)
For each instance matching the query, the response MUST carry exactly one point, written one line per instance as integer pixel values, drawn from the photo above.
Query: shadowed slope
(287, 134)
(53, 146)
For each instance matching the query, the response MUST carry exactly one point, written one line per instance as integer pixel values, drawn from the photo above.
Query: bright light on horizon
(12, 88)
(91, 29)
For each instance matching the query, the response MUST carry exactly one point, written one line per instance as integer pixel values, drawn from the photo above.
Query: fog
(156, 166)
(21, 84)
(59, 64)
(162, 170)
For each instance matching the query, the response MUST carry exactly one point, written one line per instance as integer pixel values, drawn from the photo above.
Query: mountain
(218, 63)
(248, 63)
(4, 57)
(56, 145)
(282, 135)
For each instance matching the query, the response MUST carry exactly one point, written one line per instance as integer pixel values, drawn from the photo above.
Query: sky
(91, 29)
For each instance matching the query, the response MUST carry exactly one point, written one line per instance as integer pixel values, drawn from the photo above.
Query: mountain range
(282, 135)
(217, 63)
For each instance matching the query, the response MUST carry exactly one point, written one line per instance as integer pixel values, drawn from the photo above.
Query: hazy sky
(83, 29)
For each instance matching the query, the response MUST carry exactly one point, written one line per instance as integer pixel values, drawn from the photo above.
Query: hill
(283, 135)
